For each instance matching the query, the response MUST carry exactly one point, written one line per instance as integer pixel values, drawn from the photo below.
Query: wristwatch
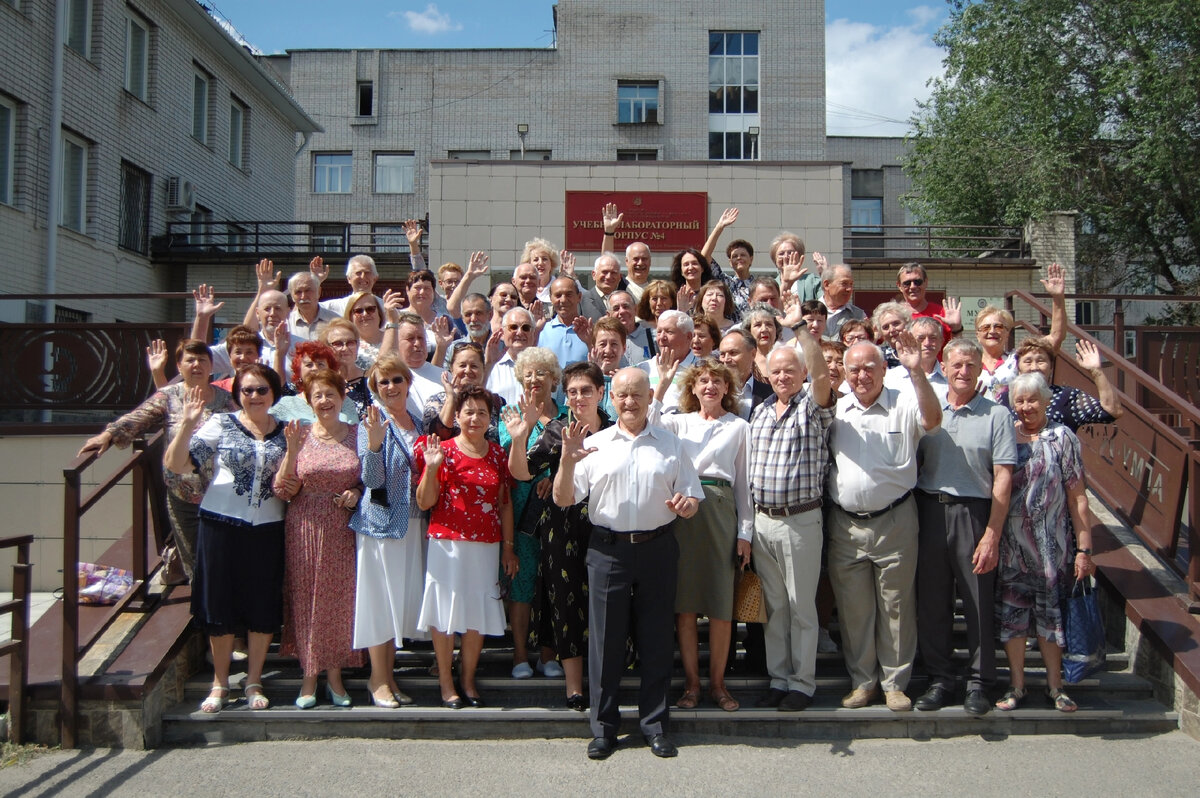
(1088, 552)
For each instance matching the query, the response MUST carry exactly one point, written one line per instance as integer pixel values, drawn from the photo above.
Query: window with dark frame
(637, 102)
(137, 57)
(366, 98)
(200, 87)
(637, 155)
(134, 232)
(73, 214)
(332, 172)
(8, 148)
(733, 94)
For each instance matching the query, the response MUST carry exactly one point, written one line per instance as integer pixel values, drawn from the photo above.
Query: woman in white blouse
(715, 542)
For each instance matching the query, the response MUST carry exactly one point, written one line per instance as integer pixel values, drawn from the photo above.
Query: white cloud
(875, 74)
(430, 21)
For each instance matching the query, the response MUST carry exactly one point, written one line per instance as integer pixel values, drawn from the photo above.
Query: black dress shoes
(772, 699)
(795, 701)
(453, 703)
(474, 701)
(602, 747)
(660, 746)
(977, 704)
(577, 702)
(932, 699)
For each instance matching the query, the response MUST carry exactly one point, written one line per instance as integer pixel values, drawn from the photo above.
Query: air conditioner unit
(181, 194)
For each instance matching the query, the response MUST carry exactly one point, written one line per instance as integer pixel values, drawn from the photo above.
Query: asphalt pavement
(1052, 765)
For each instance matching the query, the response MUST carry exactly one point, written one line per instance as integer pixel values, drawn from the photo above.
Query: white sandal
(255, 700)
(215, 703)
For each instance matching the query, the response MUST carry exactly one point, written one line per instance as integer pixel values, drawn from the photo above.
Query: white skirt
(462, 588)
(387, 600)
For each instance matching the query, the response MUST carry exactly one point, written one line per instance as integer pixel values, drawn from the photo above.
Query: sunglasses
(912, 283)
(520, 327)
(343, 344)
(367, 311)
(386, 381)
(991, 327)
(255, 390)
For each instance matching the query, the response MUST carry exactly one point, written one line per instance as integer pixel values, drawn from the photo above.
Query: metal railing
(1143, 467)
(147, 510)
(927, 241)
(17, 646)
(218, 240)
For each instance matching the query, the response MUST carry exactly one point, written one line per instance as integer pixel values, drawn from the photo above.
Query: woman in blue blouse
(391, 575)
(238, 580)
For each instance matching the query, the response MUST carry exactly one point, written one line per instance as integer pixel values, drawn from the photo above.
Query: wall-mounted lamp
(752, 132)
(522, 129)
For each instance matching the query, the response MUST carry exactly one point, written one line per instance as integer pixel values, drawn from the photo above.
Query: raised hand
(791, 268)
(376, 424)
(667, 367)
(447, 385)
(728, 217)
(443, 333)
(520, 420)
(908, 351)
(1056, 280)
(318, 269)
(477, 266)
(413, 232)
(492, 350)
(393, 303)
(572, 442)
(583, 328)
(1087, 355)
(683, 506)
(819, 262)
(566, 264)
(612, 219)
(268, 278)
(953, 313)
(685, 299)
(193, 407)
(293, 433)
(434, 456)
(280, 332)
(538, 311)
(156, 355)
(205, 301)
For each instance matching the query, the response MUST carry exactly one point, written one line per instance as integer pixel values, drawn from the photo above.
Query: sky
(879, 53)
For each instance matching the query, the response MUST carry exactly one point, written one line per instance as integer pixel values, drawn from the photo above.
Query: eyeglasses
(255, 390)
(993, 327)
(369, 310)
(520, 327)
(384, 382)
(461, 345)
(917, 283)
(344, 344)
(541, 374)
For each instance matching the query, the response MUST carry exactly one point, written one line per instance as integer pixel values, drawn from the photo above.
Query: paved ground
(1161, 765)
(38, 604)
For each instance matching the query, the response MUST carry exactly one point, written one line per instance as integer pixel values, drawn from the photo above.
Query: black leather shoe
(474, 701)
(661, 746)
(453, 703)
(772, 699)
(977, 704)
(932, 699)
(795, 701)
(577, 702)
(602, 747)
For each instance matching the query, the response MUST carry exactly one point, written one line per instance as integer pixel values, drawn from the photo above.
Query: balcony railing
(933, 242)
(220, 241)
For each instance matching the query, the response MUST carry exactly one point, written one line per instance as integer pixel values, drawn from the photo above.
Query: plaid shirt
(788, 456)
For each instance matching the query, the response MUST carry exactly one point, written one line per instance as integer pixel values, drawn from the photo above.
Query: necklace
(324, 434)
(470, 450)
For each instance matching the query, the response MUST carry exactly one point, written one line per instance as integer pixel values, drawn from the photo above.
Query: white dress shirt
(629, 479)
(874, 450)
(426, 381)
(503, 380)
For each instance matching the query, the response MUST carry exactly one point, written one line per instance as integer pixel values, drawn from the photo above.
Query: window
(134, 231)
(469, 155)
(388, 238)
(637, 155)
(137, 58)
(529, 155)
(866, 203)
(733, 91)
(1086, 311)
(237, 132)
(394, 172)
(331, 172)
(366, 98)
(8, 148)
(200, 81)
(79, 26)
(328, 237)
(637, 102)
(74, 183)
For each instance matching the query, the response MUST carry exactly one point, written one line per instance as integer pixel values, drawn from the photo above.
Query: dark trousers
(623, 577)
(947, 539)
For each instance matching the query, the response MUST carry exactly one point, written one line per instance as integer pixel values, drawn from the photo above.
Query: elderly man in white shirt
(516, 331)
(636, 478)
(674, 336)
(928, 333)
(405, 332)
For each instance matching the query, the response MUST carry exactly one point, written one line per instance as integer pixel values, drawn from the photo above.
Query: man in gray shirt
(963, 482)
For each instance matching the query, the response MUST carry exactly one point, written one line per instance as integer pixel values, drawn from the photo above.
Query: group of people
(593, 468)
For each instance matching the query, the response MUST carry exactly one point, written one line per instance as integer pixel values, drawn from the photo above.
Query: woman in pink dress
(322, 468)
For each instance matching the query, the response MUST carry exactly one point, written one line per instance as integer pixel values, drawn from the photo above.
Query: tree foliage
(1088, 105)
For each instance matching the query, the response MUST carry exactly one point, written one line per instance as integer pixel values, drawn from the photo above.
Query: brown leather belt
(784, 512)
(609, 537)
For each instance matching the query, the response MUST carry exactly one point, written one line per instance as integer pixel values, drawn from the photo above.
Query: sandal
(214, 703)
(724, 700)
(1012, 699)
(256, 700)
(1061, 701)
(688, 700)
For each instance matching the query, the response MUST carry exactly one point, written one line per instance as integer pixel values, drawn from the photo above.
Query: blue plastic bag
(1084, 652)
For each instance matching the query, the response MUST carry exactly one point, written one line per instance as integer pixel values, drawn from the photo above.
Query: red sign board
(668, 220)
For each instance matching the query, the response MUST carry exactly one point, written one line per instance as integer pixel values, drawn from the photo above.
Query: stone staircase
(1114, 701)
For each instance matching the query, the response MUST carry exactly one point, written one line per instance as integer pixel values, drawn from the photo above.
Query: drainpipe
(54, 194)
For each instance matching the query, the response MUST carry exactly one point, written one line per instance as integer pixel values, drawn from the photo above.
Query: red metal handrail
(145, 465)
(17, 646)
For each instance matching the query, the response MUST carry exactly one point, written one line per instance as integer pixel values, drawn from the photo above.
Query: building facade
(164, 118)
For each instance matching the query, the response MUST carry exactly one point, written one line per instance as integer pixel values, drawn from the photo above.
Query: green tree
(1070, 105)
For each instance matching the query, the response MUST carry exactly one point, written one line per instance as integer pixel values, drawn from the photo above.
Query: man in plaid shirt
(788, 459)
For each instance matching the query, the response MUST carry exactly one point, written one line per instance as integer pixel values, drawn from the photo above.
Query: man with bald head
(525, 280)
(788, 458)
(279, 343)
(636, 478)
(872, 523)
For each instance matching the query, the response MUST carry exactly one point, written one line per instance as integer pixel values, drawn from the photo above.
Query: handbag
(748, 604)
(102, 584)
(1083, 628)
